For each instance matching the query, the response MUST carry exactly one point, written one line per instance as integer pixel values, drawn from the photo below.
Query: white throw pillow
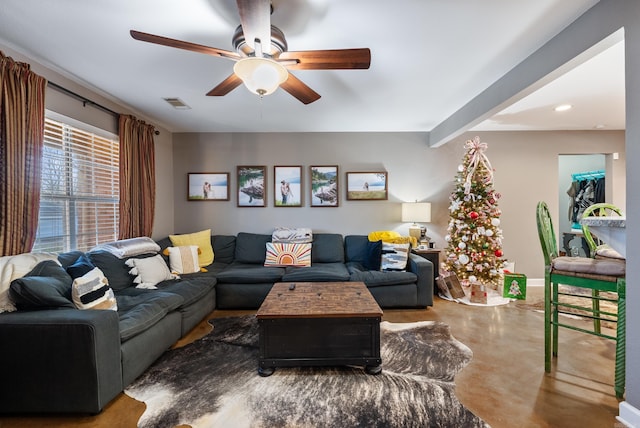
(394, 256)
(149, 271)
(184, 259)
(92, 291)
(14, 267)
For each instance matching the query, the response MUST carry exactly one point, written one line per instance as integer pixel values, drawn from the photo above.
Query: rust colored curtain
(137, 178)
(21, 141)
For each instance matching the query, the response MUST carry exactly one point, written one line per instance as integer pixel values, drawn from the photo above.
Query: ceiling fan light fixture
(262, 76)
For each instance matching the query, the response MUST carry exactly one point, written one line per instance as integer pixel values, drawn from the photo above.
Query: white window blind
(79, 194)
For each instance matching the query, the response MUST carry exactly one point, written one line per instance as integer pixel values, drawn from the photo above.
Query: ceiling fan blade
(331, 59)
(173, 43)
(298, 89)
(226, 86)
(255, 17)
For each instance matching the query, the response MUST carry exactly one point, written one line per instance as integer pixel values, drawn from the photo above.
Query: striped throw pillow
(92, 291)
(183, 259)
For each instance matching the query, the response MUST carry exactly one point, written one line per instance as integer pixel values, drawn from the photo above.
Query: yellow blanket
(392, 237)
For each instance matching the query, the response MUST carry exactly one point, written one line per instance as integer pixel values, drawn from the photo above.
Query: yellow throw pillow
(201, 239)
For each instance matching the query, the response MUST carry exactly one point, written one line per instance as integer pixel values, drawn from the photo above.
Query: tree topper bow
(476, 151)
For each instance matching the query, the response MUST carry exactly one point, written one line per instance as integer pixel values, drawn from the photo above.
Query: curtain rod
(84, 100)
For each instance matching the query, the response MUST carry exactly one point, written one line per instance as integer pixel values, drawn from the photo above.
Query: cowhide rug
(213, 382)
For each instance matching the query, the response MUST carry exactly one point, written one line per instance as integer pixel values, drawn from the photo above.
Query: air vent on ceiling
(177, 103)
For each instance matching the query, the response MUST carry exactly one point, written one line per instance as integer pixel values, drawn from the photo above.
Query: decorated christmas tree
(474, 249)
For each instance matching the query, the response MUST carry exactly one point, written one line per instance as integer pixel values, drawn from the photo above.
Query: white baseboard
(535, 282)
(629, 415)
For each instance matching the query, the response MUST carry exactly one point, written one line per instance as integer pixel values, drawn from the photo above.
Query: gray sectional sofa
(59, 359)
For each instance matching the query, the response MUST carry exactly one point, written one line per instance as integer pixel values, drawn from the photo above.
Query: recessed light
(563, 107)
(600, 126)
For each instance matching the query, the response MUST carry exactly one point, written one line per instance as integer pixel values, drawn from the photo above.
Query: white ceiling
(429, 58)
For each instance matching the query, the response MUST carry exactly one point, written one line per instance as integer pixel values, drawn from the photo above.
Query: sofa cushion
(250, 247)
(141, 309)
(250, 273)
(115, 269)
(374, 278)
(201, 239)
(359, 249)
(224, 247)
(321, 272)
(48, 285)
(327, 248)
(286, 254)
(191, 290)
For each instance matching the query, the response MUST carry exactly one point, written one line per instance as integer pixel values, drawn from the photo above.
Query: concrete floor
(505, 383)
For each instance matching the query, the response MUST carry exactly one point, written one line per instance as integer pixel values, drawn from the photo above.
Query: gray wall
(526, 165)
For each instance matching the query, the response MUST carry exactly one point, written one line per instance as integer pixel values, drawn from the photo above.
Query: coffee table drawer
(319, 341)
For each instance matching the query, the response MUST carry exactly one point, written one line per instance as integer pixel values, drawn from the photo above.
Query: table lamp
(416, 212)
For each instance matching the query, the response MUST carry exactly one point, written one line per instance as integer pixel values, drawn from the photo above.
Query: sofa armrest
(64, 360)
(423, 268)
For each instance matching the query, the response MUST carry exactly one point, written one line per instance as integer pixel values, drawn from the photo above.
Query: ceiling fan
(262, 61)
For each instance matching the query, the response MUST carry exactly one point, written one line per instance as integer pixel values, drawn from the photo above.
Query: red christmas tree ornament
(498, 253)
(473, 215)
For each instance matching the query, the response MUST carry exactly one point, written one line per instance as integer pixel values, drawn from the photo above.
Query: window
(80, 189)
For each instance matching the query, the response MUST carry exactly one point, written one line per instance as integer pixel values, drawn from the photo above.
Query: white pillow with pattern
(92, 291)
(149, 271)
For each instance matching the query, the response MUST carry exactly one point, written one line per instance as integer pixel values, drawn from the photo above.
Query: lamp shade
(261, 76)
(416, 212)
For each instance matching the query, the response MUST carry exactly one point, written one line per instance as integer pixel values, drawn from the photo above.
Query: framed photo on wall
(324, 186)
(208, 186)
(367, 186)
(251, 188)
(287, 191)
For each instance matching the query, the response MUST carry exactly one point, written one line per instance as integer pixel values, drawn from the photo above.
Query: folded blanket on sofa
(129, 247)
(299, 235)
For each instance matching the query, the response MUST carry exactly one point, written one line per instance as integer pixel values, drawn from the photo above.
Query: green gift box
(515, 286)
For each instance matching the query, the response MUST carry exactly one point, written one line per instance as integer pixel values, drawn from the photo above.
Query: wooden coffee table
(319, 324)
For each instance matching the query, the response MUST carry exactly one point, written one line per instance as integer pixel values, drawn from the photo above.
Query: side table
(433, 255)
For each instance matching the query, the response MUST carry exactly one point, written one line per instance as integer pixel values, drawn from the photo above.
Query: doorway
(573, 168)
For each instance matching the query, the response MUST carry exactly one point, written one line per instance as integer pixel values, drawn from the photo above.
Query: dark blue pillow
(80, 267)
(374, 256)
(48, 285)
